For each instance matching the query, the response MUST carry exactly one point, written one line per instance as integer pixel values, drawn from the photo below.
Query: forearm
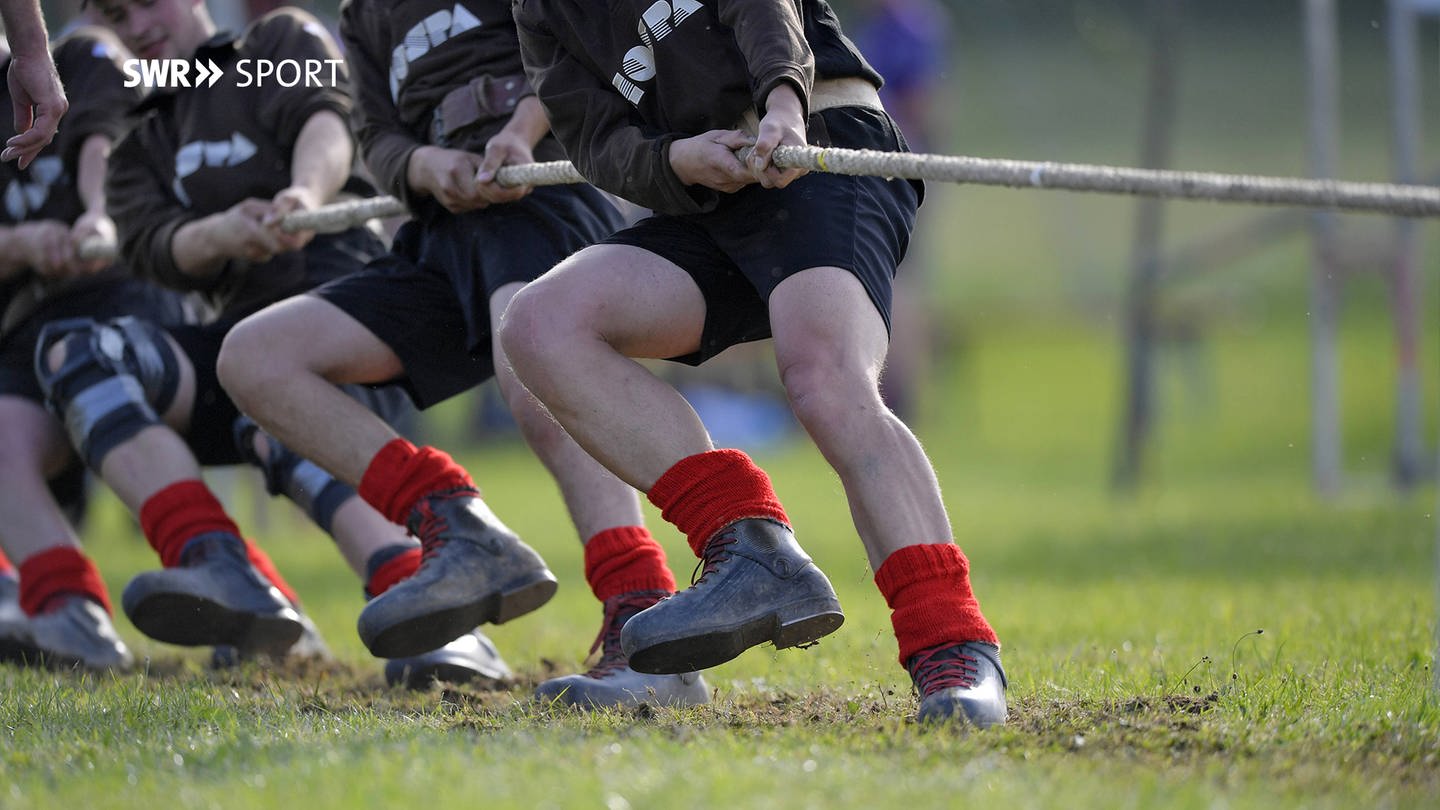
(90, 175)
(529, 121)
(25, 28)
(196, 248)
(322, 156)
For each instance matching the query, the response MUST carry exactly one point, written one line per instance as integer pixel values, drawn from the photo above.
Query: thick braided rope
(344, 215)
(350, 213)
(1384, 198)
(1379, 198)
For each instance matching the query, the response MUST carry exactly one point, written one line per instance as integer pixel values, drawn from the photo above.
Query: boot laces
(716, 551)
(943, 667)
(432, 524)
(618, 610)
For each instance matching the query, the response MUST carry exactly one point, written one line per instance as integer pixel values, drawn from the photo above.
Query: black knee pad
(115, 380)
(302, 481)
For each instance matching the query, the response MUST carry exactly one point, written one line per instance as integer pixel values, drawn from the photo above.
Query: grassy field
(1139, 672)
(1221, 639)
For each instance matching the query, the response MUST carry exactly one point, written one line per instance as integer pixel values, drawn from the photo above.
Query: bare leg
(157, 456)
(597, 500)
(216, 597)
(282, 367)
(830, 345)
(570, 335)
(33, 447)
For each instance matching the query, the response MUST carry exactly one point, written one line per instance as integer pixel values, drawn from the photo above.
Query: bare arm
(319, 167)
(28, 246)
(94, 222)
(249, 230)
(39, 99)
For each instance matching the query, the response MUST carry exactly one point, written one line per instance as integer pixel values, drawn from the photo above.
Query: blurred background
(1095, 368)
(1226, 85)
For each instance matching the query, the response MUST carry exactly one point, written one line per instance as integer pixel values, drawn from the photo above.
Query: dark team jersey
(88, 62)
(407, 57)
(198, 151)
(622, 80)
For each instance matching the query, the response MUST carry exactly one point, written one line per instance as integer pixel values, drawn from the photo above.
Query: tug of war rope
(1377, 198)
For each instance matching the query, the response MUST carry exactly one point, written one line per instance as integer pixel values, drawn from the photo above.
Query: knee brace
(302, 481)
(114, 381)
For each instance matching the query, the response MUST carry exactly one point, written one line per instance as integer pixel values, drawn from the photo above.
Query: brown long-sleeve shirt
(622, 80)
(407, 56)
(88, 64)
(198, 151)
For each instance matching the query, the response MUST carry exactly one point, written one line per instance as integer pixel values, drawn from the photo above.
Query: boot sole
(191, 621)
(421, 677)
(432, 631)
(714, 648)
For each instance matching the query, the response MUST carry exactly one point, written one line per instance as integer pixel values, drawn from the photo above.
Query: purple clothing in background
(908, 42)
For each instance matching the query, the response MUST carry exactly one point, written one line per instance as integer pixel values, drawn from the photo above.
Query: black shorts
(103, 300)
(429, 298)
(758, 237)
(212, 418)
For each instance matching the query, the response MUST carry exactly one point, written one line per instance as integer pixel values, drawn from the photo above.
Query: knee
(533, 325)
(108, 380)
(246, 361)
(236, 361)
(829, 395)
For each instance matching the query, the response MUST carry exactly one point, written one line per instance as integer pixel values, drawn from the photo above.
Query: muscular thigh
(825, 315)
(639, 303)
(311, 334)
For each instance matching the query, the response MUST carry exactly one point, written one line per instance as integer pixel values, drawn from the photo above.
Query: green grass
(1137, 675)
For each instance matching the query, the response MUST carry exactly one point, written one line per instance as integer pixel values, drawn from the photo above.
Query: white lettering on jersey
(197, 154)
(431, 32)
(24, 198)
(656, 23)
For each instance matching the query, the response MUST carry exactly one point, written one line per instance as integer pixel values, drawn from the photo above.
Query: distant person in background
(908, 42)
(36, 94)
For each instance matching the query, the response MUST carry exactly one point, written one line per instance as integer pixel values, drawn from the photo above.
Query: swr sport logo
(172, 73)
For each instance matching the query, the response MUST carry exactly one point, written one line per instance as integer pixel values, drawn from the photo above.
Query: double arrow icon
(207, 77)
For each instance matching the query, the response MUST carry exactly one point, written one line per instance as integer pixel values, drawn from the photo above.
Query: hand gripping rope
(1376, 198)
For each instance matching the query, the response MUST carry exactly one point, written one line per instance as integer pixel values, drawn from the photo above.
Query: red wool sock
(928, 590)
(626, 559)
(706, 492)
(401, 474)
(393, 571)
(178, 513)
(267, 569)
(60, 571)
